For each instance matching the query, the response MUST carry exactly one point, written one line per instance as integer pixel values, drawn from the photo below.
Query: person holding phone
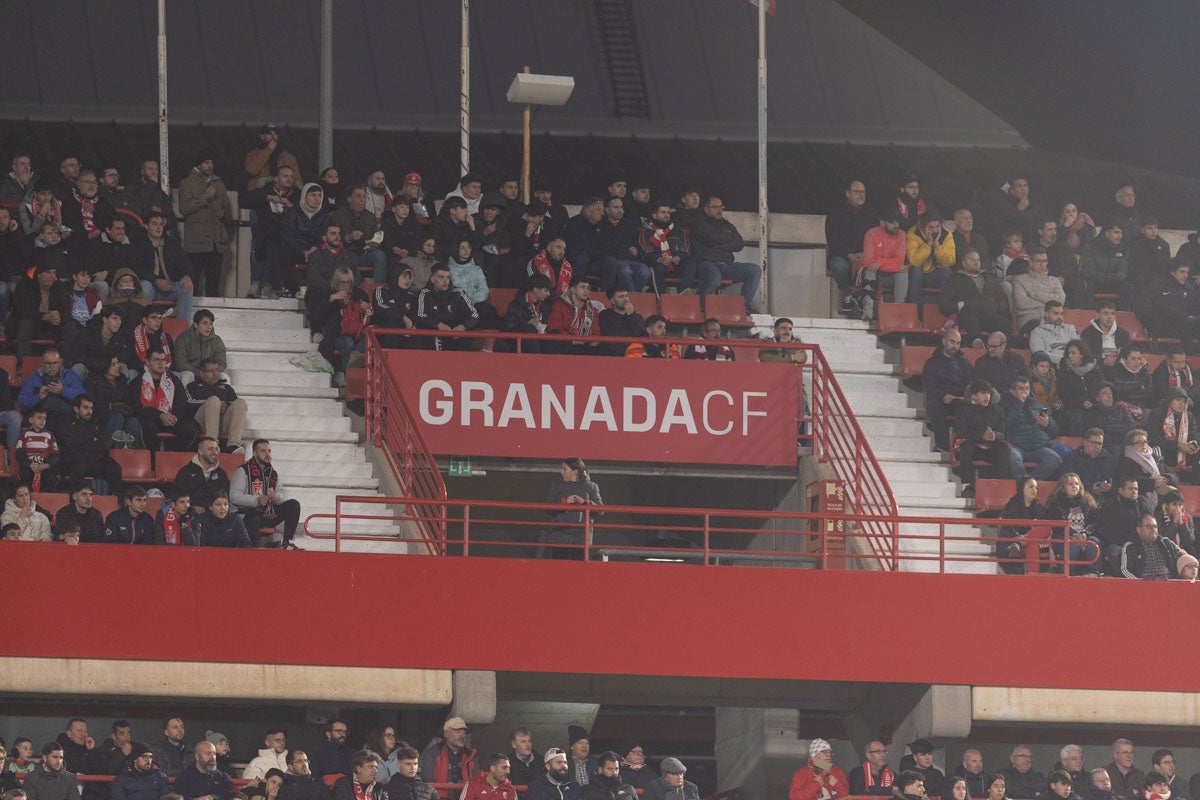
(1030, 429)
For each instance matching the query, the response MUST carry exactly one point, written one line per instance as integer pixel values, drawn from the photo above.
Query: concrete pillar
(759, 749)
(903, 712)
(474, 696)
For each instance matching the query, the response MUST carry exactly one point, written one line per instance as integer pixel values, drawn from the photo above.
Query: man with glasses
(1127, 780)
(335, 755)
(1093, 463)
(846, 227)
(84, 211)
(1164, 764)
(1149, 557)
(1022, 780)
(1070, 761)
(1000, 365)
(51, 389)
(714, 241)
(1032, 290)
(298, 781)
(873, 776)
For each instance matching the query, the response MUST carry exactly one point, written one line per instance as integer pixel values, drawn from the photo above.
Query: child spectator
(38, 454)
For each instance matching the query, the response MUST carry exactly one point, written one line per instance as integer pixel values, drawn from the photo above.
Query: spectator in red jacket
(884, 251)
(492, 783)
(819, 779)
(575, 314)
(450, 759)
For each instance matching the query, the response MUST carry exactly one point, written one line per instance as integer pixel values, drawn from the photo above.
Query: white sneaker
(253, 293)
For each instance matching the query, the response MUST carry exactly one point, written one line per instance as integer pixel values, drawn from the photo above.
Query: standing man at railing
(450, 759)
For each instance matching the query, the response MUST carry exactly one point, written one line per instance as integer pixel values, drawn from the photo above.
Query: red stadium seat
(106, 503)
(500, 298)
(645, 303)
(167, 464)
(912, 360)
(683, 309)
(51, 501)
(135, 465)
(992, 493)
(1153, 360)
(1191, 499)
(175, 326)
(899, 318)
(729, 309)
(9, 365)
(1072, 442)
(231, 461)
(1079, 317)
(30, 365)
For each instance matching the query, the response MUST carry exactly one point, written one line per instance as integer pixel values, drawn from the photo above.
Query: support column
(758, 750)
(474, 696)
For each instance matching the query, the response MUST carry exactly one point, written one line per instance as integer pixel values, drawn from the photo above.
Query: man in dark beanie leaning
(579, 744)
(140, 780)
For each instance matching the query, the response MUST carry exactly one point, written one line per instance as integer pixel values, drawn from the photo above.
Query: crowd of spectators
(916, 777)
(382, 767)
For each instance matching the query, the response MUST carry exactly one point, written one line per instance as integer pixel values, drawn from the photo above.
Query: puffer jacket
(1105, 263)
(227, 532)
(920, 254)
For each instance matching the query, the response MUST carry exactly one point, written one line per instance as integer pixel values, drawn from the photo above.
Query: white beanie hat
(817, 746)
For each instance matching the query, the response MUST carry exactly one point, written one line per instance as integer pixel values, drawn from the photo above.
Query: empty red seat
(991, 494)
(500, 298)
(645, 303)
(912, 360)
(175, 326)
(728, 309)
(682, 309)
(167, 464)
(135, 465)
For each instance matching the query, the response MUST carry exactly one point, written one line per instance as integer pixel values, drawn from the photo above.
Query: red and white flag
(770, 5)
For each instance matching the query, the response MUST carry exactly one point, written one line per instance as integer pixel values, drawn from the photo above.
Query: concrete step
(301, 471)
(914, 473)
(293, 377)
(354, 485)
(925, 457)
(293, 407)
(302, 435)
(853, 385)
(315, 425)
(249, 390)
(923, 489)
(235, 335)
(255, 318)
(936, 507)
(887, 426)
(384, 546)
(763, 323)
(273, 361)
(952, 567)
(214, 303)
(902, 444)
(290, 348)
(318, 452)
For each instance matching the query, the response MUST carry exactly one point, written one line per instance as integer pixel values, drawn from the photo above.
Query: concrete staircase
(314, 447)
(893, 419)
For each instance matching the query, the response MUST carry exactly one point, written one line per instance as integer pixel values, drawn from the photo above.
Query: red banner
(606, 409)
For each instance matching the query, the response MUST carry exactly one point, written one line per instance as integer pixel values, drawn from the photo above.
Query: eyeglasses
(875, 752)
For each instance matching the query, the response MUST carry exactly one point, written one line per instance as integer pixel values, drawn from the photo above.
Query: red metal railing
(836, 435)
(708, 536)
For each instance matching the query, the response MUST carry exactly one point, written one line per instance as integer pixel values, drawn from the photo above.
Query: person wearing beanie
(872, 776)
(207, 214)
(219, 740)
(556, 782)
(672, 785)
(920, 761)
(1043, 380)
(140, 780)
(819, 779)
(580, 745)
(606, 783)
(450, 759)
(634, 769)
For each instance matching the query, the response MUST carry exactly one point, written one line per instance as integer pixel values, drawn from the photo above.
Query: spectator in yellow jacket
(930, 255)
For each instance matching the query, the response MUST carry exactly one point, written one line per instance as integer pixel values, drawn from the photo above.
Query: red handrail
(838, 438)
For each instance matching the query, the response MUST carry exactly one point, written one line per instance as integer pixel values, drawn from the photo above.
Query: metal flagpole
(164, 168)
(464, 93)
(325, 111)
(763, 217)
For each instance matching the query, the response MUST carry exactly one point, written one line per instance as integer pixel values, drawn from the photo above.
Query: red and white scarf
(363, 791)
(660, 238)
(52, 211)
(87, 207)
(1178, 434)
(1181, 378)
(142, 343)
(886, 778)
(161, 397)
(171, 527)
(559, 283)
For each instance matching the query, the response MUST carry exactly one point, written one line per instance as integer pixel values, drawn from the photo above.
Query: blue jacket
(121, 528)
(130, 785)
(301, 232)
(228, 532)
(943, 375)
(1090, 470)
(192, 783)
(1021, 425)
(72, 387)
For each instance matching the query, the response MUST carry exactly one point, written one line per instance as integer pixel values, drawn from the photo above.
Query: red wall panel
(117, 601)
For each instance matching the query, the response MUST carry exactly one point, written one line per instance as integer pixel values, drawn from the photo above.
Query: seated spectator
(494, 237)
(1163, 761)
(202, 779)
(944, 378)
(529, 235)
(1061, 260)
(130, 524)
(1174, 522)
(300, 784)
(359, 231)
(10, 532)
(710, 331)
(872, 776)
(51, 389)
(1095, 465)
(555, 216)
(11, 419)
(220, 528)
(1043, 380)
(1100, 410)
(402, 234)
(40, 305)
(846, 227)
(453, 224)
(85, 450)
(327, 260)
(1104, 268)
(556, 783)
(1013, 257)
(920, 761)
(1052, 335)
(606, 782)
(634, 769)
(174, 523)
(341, 315)
(164, 269)
(272, 202)
(33, 522)
(1030, 428)
(1140, 462)
(112, 191)
(379, 196)
(272, 756)
(714, 241)
(171, 754)
(109, 391)
(1033, 289)
(1128, 217)
(51, 780)
(621, 319)
(127, 297)
(216, 406)
(620, 265)
(552, 263)
(582, 235)
(442, 307)
(83, 210)
(15, 251)
(67, 533)
(469, 190)
(468, 276)
(1131, 382)
(450, 759)
(202, 477)
(1071, 502)
(575, 314)
(884, 252)
(1021, 541)
(1149, 255)
(655, 328)
(1101, 786)
(1150, 557)
(1075, 227)
(666, 248)
(106, 254)
(303, 233)
(162, 406)
(1000, 366)
(1172, 429)
(1173, 373)
(99, 343)
(1169, 306)
(197, 343)
(395, 306)
(38, 454)
(980, 425)
(260, 497)
(930, 253)
(528, 312)
(145, 336)
(977, 300)
(967, 238)
(79, 511)
(1060, 784)
(17, 183)
(1070, 762)
(140, 780)
(492, 782)
(1127, 780)
(819, 779)
(1104, 337)
(406, 783)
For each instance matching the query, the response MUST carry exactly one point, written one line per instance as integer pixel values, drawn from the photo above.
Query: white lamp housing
(540, 90)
